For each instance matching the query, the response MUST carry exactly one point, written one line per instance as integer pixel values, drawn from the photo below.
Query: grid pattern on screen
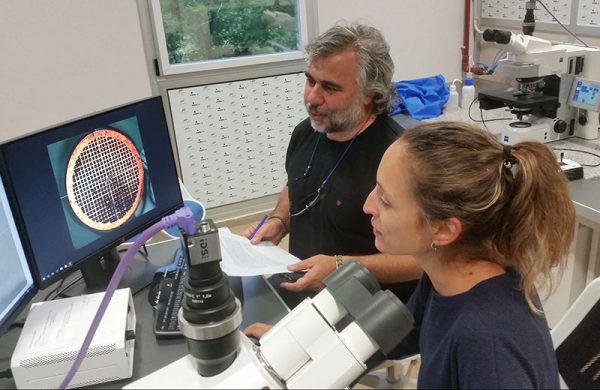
(105, 179)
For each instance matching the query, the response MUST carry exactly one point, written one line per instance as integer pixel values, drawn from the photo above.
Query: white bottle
(451, 109)
(469, 106)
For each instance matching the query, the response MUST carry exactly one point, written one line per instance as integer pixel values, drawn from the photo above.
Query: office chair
(576, 340)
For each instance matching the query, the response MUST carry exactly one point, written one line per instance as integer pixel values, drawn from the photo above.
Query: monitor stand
(97, 272)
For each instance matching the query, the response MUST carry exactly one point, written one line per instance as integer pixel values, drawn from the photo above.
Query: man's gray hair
(375, 64)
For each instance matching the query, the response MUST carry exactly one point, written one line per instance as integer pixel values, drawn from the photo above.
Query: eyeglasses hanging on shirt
(314, 197)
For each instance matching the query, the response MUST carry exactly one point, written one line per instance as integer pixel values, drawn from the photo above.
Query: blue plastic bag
(421, 98)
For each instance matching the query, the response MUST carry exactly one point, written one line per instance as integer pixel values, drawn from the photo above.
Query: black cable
(484, 120)
(12, 326)
(61, 292)
(55, 289)
(581, 151)
(143, 253)
(6, 373)
(16, 325)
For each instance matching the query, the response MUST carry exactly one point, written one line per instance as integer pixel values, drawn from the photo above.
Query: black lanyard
(312, 157)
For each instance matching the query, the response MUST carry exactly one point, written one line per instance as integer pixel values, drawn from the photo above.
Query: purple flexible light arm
(184, 218)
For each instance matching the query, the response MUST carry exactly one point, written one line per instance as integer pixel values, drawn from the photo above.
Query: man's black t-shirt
(336, 224)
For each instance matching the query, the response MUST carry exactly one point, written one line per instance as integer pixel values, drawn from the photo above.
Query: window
(196, 35)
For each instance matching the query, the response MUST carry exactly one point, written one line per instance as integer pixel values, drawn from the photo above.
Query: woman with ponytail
(487, 223)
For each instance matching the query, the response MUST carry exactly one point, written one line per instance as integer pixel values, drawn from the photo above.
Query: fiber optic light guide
(104, 179)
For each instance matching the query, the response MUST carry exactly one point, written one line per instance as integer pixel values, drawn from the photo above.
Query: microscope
(557, 88)
(325, 342)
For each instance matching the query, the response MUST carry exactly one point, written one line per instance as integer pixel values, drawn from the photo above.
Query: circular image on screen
(105, 179)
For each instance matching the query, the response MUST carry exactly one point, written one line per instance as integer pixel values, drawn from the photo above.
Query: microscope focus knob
(560, 126)
(582, 119)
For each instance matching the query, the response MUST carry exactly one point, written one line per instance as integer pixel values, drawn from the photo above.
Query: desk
(261, 303)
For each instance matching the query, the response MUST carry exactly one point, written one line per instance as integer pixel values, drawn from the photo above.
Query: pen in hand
(262, 221)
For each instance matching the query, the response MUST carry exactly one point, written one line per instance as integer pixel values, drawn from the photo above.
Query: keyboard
(166, 295)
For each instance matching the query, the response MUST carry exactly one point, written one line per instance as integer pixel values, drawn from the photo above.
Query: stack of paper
(241, 258)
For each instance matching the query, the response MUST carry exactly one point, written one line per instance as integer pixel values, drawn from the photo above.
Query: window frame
(306, 12)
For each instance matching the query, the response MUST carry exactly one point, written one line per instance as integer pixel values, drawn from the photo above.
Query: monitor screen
(83, 187)
(17, 289)
(584, 94)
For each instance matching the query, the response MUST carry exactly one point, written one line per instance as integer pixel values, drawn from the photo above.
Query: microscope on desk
(324, 342)
(557, 92)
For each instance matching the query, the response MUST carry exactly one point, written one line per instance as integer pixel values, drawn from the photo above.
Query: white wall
(62, 59)
(425, 35)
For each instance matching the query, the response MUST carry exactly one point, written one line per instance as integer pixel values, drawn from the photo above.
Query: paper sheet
(241, 258)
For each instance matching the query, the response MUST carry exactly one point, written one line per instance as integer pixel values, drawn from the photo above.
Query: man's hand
(317, 268)
(257, 330)
(272, 230)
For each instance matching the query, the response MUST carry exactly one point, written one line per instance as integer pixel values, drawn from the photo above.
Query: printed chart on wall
(515, 10)
(587, 11)
(232, 137)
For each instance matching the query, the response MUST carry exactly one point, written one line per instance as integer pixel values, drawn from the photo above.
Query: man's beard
(340, 120)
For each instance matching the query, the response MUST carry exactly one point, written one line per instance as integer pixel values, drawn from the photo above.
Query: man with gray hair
(332, 161)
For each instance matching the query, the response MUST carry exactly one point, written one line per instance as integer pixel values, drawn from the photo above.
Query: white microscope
(325, 342)
(557, 93)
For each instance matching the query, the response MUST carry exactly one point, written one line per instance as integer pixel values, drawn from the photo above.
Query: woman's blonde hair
(513, 202)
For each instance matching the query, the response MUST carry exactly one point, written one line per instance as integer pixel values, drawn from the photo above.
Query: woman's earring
(433, 246)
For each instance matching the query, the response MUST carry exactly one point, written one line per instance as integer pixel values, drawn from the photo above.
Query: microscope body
(324, 342)
(543, 101)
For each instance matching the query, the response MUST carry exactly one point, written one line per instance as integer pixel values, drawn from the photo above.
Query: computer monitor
(585, 94)
(82, 188)
(18, 289)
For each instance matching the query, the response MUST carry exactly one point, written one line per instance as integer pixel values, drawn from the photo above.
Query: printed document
(241, 258)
